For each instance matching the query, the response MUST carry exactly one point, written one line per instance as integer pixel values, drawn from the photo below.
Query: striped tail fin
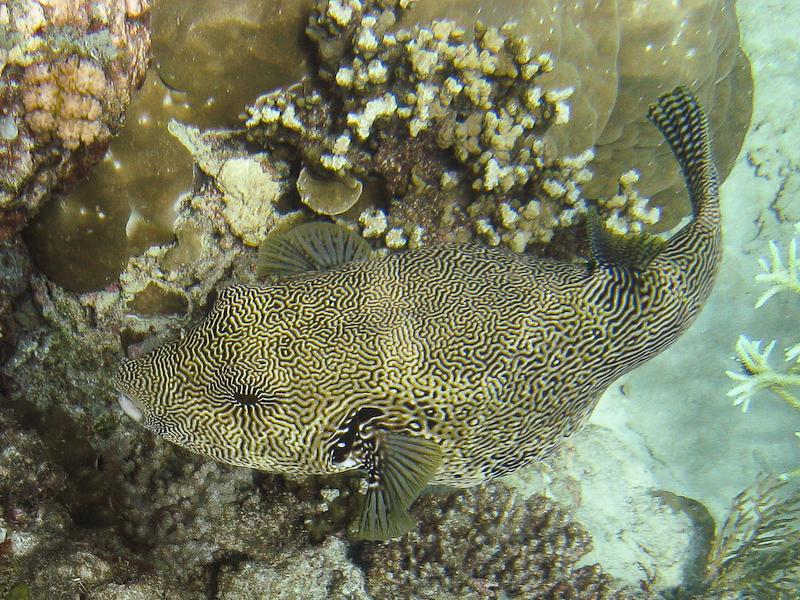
(683, 123)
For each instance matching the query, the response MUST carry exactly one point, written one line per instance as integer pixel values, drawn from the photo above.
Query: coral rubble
(67, 72)
(481, 543)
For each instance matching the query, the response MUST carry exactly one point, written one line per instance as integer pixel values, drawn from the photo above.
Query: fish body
(446, 364)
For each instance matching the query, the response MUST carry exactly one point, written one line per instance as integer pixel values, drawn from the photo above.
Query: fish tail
(681, 120)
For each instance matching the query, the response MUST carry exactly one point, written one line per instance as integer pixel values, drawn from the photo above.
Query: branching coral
(452, 123)
(757, 374)
(483, 543)
(756, 553)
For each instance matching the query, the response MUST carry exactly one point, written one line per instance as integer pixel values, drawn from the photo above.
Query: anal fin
(404, 466)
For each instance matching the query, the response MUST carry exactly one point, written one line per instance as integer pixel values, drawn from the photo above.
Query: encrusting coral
(67, 72)
(756, 373)
(484, 543)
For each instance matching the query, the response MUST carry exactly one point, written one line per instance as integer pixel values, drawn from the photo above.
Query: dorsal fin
(310, 247)
(633, 251)
(403, 467)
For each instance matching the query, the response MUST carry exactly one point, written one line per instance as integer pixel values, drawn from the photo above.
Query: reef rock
(67, 72)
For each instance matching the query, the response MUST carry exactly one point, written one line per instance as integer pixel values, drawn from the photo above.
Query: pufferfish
(447, 364)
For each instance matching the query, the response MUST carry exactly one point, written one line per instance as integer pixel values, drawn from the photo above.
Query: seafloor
(664, 451)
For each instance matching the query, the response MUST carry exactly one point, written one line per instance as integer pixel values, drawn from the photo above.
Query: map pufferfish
(448, 364)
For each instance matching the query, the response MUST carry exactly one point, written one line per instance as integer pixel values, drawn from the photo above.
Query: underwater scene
(399, 299)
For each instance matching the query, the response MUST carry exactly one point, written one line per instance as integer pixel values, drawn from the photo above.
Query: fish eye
(248, 398)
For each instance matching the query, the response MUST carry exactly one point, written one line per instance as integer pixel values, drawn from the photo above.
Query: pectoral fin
(404, 464)
(310, 247)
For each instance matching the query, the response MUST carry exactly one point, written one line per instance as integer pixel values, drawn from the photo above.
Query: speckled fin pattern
(310, 247)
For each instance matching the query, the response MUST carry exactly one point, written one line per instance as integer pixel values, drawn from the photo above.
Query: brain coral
(67, 70)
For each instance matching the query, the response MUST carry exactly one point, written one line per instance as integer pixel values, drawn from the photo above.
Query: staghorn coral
(481, 543)
(756, 372)
(67, 71)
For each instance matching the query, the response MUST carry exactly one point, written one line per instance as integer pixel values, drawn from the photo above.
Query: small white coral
(757, 375)
(779, 277)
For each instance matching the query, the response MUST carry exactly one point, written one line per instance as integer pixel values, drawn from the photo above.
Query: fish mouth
(130, 408)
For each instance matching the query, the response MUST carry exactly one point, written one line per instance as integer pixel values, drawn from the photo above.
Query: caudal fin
(683, 123)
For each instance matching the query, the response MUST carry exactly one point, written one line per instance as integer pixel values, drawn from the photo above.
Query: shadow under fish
(448, 364)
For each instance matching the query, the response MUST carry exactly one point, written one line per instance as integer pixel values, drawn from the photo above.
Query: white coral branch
(758, 375)
(778, 276)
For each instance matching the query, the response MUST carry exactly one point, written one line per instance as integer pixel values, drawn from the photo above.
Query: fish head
(206, 393)
(155, 391)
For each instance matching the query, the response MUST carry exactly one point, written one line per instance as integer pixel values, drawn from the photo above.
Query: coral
(756, 553)
(481, 543)
(62, 100)
(328, 196)
(653, 518)
(756, 373)
(251, 183)
(334, 576)
(192, 37)
(618, 56)
(88, 504)
(456, 128)
(629, 212)
(127, 204)
(664, 44)
(67, 71)
(206, 64)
